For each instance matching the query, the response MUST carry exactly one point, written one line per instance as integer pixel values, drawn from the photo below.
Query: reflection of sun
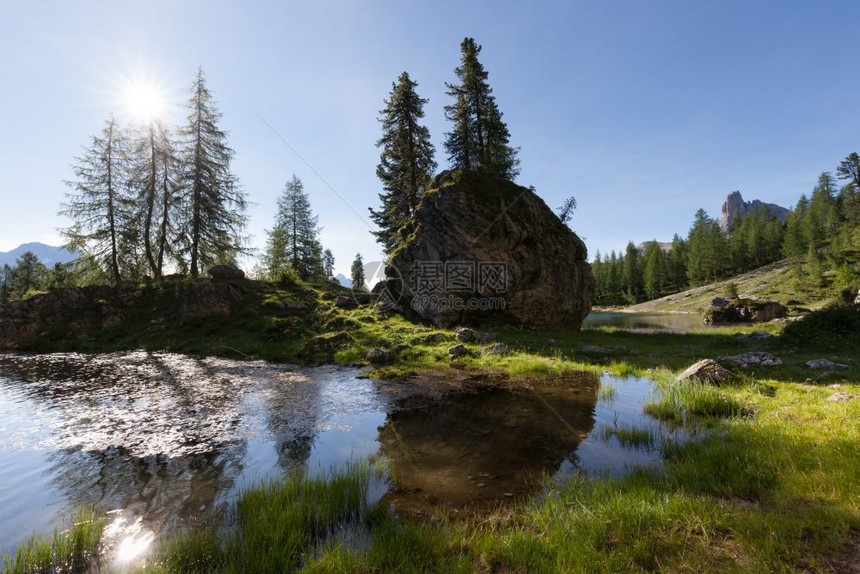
(143, 100)
(129, 541)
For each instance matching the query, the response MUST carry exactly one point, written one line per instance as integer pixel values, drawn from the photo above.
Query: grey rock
(824, 364)
(517, 263)
(226, 272)
(841, 397)
(497, 349)
(707, 371)
(735, 207)
(752, 359)
(458, 351)
(345, 302)
(379, 356)
(755, 335)
(468, 335)
(718, 303)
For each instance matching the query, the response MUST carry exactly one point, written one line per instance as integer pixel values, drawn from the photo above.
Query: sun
(144, 101)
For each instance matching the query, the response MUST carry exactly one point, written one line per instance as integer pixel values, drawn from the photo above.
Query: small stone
(840, 397)
(708, 371)
(468, 335)
(824, 364)
(458, 351)
(379, 356)
(345, 302)
(497, 349)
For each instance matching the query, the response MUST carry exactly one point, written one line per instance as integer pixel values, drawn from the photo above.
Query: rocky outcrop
(80, 312)
(487, 251)
(224, 272)
(734, 207)
(722, 310)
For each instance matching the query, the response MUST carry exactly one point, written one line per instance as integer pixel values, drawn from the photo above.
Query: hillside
(773, 282)
(47, 254)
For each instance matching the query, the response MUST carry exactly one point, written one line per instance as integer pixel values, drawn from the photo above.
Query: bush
(834, 327)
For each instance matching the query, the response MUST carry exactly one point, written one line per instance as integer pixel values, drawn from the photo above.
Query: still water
(162, 440)
(646, 322)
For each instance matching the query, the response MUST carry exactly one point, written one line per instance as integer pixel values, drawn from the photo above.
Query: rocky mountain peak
(734, 207)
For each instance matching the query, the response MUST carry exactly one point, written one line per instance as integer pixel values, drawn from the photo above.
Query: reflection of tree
(164, 491)
(475, 448)
(292, 413)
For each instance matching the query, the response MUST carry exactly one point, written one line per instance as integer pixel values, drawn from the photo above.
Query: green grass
(766, 481)
(607, 392)
(75, 549)
(677, 401)
(630, 436)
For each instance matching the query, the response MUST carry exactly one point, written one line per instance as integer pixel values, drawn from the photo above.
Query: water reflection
(471, 449)
(164, 440)
(646, 322)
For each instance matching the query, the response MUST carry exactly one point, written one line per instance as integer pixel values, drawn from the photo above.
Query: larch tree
(213, 215)
(479, 138)
(99, 207)
(154, 177)
(406, 162)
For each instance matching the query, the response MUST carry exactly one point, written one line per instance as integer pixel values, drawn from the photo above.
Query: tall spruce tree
(479, 138)
(328, 263)
(100, 208)
(406, 162)
(293, 242)
(213, 216)
(29, 274)
(5, 285)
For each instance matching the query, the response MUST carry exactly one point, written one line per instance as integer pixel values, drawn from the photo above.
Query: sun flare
(144, 101)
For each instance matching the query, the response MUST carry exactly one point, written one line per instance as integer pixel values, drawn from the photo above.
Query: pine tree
(632, 274)
(29, 274)
(479, 138)
(328, 263)
(100, 209)
(357, 272)
(5, 285)
(654, 271)
(849, 169)
(213, 217)
(406, 162)
(293, 241)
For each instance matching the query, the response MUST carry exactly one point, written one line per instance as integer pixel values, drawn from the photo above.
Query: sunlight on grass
(72, 550)
(679, 400)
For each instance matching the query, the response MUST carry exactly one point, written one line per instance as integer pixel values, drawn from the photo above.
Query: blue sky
(668, 106)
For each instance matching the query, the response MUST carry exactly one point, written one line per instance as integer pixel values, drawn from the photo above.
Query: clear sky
(662, 107)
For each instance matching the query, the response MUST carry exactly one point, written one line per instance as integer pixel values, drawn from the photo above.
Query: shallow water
(646, 322)
(164, 440)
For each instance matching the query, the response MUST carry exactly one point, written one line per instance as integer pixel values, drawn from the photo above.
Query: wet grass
(630, 436)
(75, 549)
(677, 401)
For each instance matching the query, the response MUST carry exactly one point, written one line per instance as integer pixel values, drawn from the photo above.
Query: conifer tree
(293, 241)
(154, 177)
(100, 209)
(406, 162)
(29, 274)
(328, 263)
(357, 272)
(5, 285)
(479, 137)
(654, 270)
(213, 217)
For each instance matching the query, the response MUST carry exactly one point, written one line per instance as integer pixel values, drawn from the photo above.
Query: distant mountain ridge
(47, 254)
(734, 207)
(343, 280)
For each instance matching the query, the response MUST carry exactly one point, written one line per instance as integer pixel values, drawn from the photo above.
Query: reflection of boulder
(471, 449)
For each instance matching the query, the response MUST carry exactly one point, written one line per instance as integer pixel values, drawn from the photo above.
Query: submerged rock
(707, 371)
(487, 251)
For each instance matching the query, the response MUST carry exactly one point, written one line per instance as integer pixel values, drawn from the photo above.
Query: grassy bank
(771, 486)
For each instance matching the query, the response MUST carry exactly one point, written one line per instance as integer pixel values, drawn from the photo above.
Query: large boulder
(486, 251)
(224, 272)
